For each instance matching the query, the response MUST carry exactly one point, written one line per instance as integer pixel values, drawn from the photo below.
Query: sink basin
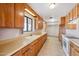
(30, 38)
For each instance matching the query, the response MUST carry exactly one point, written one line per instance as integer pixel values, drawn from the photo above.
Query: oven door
(66, 46)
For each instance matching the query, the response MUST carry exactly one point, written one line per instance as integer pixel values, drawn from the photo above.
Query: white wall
(53, 30)
(9, 33)
(52, 27)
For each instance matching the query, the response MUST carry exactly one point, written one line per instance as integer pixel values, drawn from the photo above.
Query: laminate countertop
(74, 40)
(10, 48)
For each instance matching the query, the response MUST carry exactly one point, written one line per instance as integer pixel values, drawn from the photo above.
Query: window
(28, 24)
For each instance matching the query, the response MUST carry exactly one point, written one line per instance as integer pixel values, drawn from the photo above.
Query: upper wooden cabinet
(39, 23)
(66, 19)
(71, 16)
(1, 16)
(77, 7)
(11, 15)
(19, 15)
(6, 15)
(74, 12)
(62, 21)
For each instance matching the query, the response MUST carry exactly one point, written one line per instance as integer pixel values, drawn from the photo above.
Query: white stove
(66, 45)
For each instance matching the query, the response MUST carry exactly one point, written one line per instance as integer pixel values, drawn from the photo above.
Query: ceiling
(61, 9)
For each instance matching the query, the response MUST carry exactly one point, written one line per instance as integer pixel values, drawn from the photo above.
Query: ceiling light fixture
(30, 12)
(52, 5)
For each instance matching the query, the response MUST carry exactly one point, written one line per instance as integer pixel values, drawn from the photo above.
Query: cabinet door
(25, 50)
(40, 24)
(66, 19)
(1, 15)
(19, 15)
(74, 12)
(74, 52)
(36, 25)
(77, 6)
(7, 15)
(34, 48)
(62, 20)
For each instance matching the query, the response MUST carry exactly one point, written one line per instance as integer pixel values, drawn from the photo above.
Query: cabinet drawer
(75, 46)
(74, 52)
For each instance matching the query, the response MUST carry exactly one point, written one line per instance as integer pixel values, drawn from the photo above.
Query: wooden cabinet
(19, 15)
(6, 15)
(62, 21)
(33, 48)
(74, 12)
(11, 15)
(70, 15)
(1, 16)
(74, 50)
(39, 23)
(77, 7)
(66, 20)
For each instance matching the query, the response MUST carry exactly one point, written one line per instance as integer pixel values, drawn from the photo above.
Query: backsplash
(9, 33)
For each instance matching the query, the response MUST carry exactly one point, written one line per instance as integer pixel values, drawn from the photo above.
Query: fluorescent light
(30, 12)
(52, 5)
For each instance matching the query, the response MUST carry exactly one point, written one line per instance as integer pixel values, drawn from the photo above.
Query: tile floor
(52, 47)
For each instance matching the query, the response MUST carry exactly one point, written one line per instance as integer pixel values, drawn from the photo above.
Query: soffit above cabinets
(61, 9)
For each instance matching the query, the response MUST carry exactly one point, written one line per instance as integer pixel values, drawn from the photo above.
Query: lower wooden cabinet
(74, 50)
(33, 48)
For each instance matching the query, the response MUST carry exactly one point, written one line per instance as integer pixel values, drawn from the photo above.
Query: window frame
(27, 24)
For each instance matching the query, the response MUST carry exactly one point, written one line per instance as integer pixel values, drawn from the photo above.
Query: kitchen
(38, 29)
